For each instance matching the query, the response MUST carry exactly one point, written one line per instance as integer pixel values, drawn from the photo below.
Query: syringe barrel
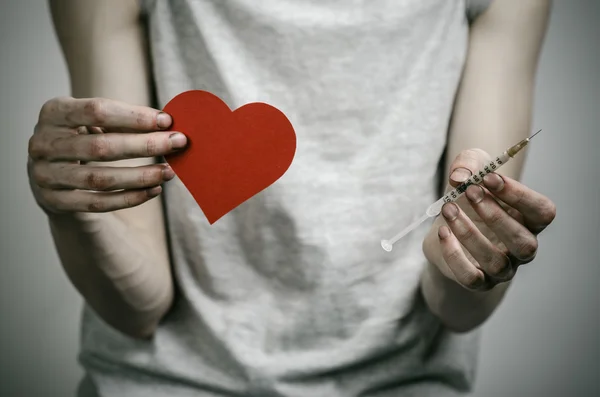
(453, 195)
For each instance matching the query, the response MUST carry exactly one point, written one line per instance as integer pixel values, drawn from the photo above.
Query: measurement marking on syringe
(453, 195)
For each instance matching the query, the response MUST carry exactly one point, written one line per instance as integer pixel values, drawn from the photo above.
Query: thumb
(466, 164)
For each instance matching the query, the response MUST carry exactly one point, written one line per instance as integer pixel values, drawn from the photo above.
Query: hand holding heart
(75, 139)
(228, 157)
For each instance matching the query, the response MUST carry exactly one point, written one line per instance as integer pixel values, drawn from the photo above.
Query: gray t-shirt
(291, 293)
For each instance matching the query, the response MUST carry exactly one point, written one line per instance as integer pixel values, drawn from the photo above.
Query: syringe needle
(534, 134)
(512, 151)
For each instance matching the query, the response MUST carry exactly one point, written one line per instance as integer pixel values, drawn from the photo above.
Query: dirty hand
(482, 238)
(73, 140)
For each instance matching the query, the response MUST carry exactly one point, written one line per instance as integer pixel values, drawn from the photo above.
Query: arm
(492, 112)
(118, 260)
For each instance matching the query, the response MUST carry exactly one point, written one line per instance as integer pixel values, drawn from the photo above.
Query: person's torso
(291, 294)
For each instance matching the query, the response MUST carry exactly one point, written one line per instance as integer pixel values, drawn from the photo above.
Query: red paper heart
(231, 156)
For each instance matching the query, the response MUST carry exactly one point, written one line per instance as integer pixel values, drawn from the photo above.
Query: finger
(518, 239)
(84, 130)
(465, 272)
(510, 210)
(101, 130)
(538, 211)
(86, 201)
(74, 176)
(491, 260)
(466, 163)
(95, 130)
(105, 113)
(112, 146)
(516, 215)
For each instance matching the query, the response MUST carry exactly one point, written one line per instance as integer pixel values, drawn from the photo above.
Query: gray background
(543, 341)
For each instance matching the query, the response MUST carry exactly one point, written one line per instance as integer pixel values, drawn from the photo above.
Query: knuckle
(150, 177)
(144, 120)
(48, 108)
(96, 205)
(48, 200)
(38, 128)
(98, 181)
(54, 105)
(548, 213)
(134, 198)
(152, 146)
(516, 215)
(526, 248)
(499, 268)
(471, 279)
(487, 258)
(495, 217)
(519, 197)
(35, 147)
(95, 110)
(453, 256)
(39, 175)
(129, 199)
(44, 196)
(465, 234)
(100, 148)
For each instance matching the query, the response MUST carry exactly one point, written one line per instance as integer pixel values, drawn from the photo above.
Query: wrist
(458, 308)
(87, 223)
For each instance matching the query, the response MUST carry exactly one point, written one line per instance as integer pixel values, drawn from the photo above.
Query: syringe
(453, 195)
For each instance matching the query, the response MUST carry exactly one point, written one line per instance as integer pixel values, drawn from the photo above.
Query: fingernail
(450, 211)
(168, 173)
(475, 193)
(460, 175)
(178, 140)
(494, 182)
(163, 120)
(153, 192)
(443, 232)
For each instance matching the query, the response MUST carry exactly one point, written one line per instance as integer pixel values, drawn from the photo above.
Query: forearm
(493, 111)
(118, 261)
(121, 277)
(493, 108)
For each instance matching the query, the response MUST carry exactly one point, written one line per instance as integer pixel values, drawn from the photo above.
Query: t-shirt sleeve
(476, 8)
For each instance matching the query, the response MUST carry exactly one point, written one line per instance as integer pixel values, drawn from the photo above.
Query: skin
(93, 169)
(475, 248)
(112, 245)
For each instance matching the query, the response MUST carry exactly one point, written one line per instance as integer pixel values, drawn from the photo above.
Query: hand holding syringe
(453, 195)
